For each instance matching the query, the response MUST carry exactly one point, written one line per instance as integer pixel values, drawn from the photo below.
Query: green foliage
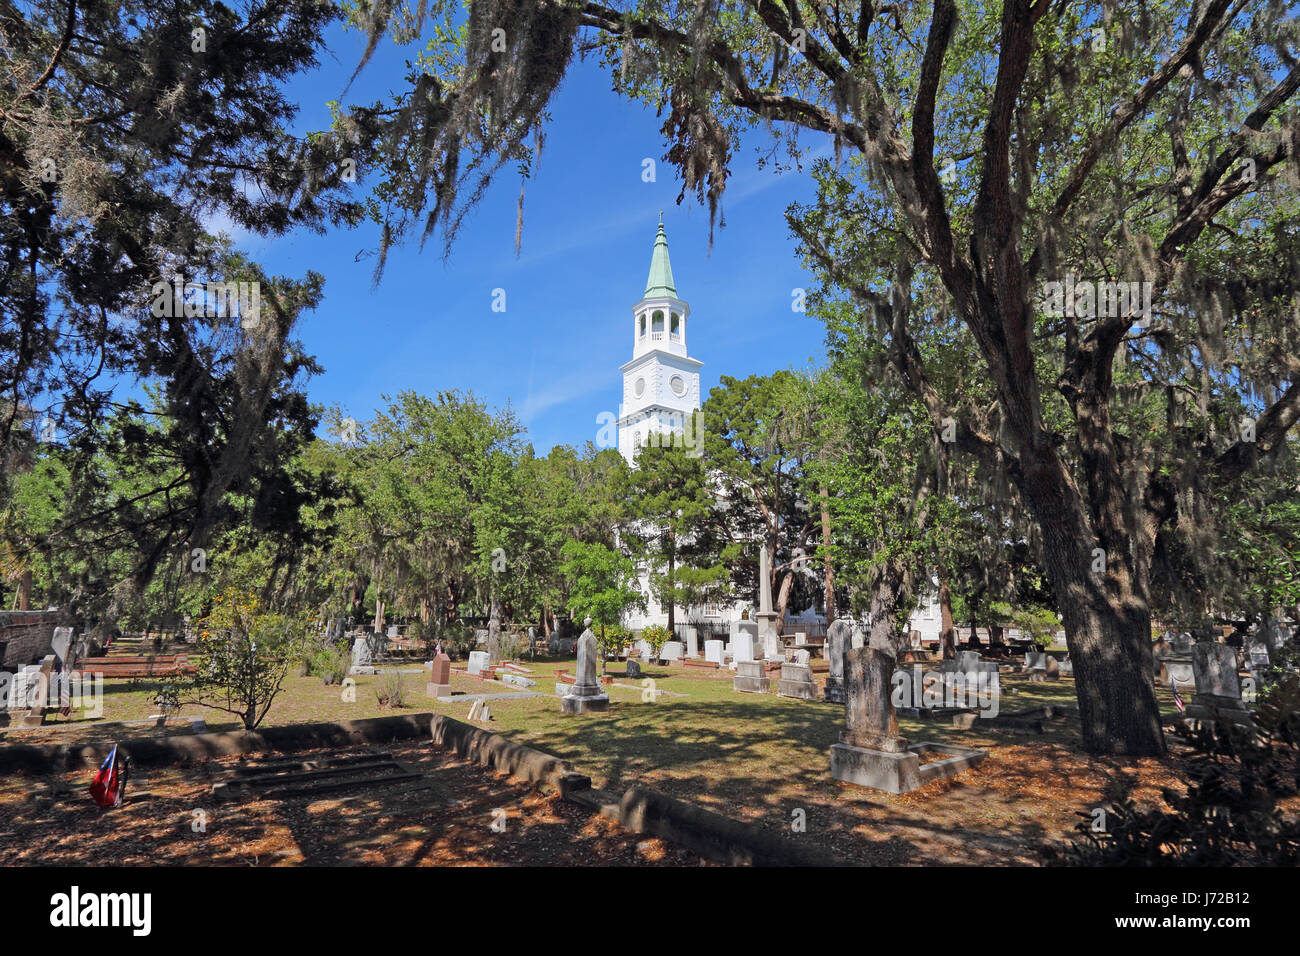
(604, 583)
(331, 664)
(243, 657)
(656, 635)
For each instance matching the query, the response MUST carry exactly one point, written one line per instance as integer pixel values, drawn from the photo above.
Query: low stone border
(188, 748)
(640, 810)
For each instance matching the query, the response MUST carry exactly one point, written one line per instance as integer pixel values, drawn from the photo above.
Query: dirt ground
(470, 816)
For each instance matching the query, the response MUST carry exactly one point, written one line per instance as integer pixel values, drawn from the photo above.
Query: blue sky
(589, 226)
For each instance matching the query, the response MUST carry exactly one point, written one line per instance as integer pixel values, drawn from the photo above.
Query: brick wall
(25, 636)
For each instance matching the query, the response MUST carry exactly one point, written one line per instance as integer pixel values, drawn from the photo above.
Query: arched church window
(658, 324)
(676, 326)
(643, 324)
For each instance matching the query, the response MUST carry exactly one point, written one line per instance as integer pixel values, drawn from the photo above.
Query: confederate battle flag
(107, 787)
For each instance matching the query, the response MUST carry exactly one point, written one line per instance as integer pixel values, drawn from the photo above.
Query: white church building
(661, 390)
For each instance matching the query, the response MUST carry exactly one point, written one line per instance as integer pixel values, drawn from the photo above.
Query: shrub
(331, 664)
(457, 639)
(1229, 815)
(656, 635)
(511, 645)
(391, 692)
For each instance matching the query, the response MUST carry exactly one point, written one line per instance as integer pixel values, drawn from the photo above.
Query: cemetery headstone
(871, 752)
(743, 647)
(692, 642)
(671, 651)
(439, 684)
(751, 677)
(797, 682)
(361, 657)
(1218, 689)
(838, 638)
(479, 661)
(633, 669)
(714, 650)
(587, 695)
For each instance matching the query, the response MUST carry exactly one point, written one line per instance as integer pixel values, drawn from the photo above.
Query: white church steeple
(661, 384)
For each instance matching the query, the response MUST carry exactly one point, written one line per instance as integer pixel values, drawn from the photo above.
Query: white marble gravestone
(743, 647)
(479, 661)
(587, 695)
(713, 651)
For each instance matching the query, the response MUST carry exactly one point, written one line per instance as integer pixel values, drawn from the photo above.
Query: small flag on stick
(1178, 698)
(106, 788)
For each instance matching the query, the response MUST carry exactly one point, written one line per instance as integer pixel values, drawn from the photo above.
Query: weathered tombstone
(751, 677)
(633, 669)
(586, 696)
(1066, 668)
(838, 638)
(692, 642)
(439, 677)
(361, 657)
(800, 638)
(38, 696)
(743, 647)
(1218, 690)
(61, 645)
(479, 661)
(392, 631)
(797, 682)
(671, 651)
(871, 753)
(713, 651)
(802, 656)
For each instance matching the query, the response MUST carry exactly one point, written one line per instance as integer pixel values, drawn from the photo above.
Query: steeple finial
(660, 281)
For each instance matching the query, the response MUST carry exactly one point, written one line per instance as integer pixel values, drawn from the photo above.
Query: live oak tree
(1008, 147)
(127, 129)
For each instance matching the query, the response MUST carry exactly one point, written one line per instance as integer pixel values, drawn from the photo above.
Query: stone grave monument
(692, 642)
(838, 638)
(478, 662)
(362, 661)
(871, 753)
(768, 639)
(587, 695)
(713, 651)
(439, 685)
(1218, 690)
(797, 682)
(751, 677)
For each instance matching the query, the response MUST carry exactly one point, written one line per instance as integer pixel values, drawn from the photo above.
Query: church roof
(661, 270)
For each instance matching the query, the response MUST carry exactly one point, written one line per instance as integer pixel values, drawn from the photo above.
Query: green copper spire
(661, 270)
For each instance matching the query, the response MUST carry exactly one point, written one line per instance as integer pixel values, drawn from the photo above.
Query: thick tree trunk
(947, 633)
(25, 591)
(995, 638)
(1107, 626)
